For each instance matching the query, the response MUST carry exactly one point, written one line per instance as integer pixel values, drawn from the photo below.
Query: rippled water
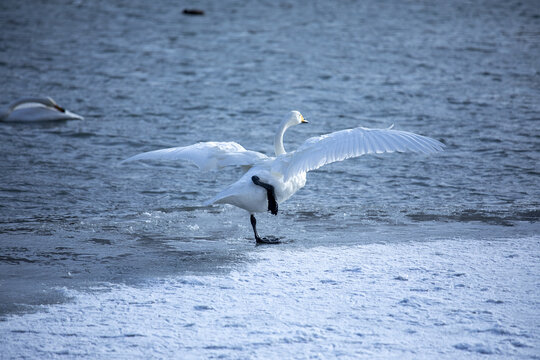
(74, 225)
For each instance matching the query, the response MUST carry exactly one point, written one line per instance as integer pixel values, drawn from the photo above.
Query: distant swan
(269, 181)
(37, 109)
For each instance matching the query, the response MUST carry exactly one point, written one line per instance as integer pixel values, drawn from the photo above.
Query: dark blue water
(145, 76)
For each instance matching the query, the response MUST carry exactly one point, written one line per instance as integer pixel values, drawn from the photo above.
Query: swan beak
(304, 121)
(59, 108)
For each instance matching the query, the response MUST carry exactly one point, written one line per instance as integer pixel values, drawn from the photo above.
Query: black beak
(59, 108)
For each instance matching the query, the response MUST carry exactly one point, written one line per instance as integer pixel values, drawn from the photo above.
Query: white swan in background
(269, 181)
(37, 109)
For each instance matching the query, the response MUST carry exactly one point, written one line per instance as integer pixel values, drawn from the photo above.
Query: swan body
(252, 198)
(36, 110)
(285, 173)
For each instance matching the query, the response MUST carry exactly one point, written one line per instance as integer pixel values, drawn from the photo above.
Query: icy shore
(439, 299)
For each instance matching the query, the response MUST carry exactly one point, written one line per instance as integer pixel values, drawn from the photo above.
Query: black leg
(258, 239)
(254, 226)
(271, 194)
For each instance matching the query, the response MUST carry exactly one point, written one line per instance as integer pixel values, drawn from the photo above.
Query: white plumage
(340, 145)
(207, 156)
(37, 110)
(286, 172)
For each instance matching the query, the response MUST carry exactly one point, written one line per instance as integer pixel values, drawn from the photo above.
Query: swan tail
(252, 199)
(218, 199)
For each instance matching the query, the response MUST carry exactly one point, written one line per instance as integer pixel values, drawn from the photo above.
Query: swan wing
(321, 150)
(206, 155)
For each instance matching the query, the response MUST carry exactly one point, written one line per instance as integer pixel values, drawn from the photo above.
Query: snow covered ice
(430, 299)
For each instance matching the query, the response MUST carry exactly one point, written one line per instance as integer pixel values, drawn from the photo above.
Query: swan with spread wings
(269, 181)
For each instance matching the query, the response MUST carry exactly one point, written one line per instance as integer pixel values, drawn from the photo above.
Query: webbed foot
(259, 240)
(271, 195)
(272, 205)
(270, 240)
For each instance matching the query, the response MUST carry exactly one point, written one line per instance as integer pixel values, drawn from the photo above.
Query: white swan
(269, 181)
(37, 109)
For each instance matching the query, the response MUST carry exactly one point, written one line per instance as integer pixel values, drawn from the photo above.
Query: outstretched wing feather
(206, 155)
(318, 151)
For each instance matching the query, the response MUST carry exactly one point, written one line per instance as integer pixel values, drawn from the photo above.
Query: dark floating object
(196, 12)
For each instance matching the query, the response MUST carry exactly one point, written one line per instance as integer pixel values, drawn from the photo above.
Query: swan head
(296, 118)
(293, 119)
(48, 101)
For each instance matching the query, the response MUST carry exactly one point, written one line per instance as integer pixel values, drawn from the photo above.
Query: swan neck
(43, 101)
(278, 139)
